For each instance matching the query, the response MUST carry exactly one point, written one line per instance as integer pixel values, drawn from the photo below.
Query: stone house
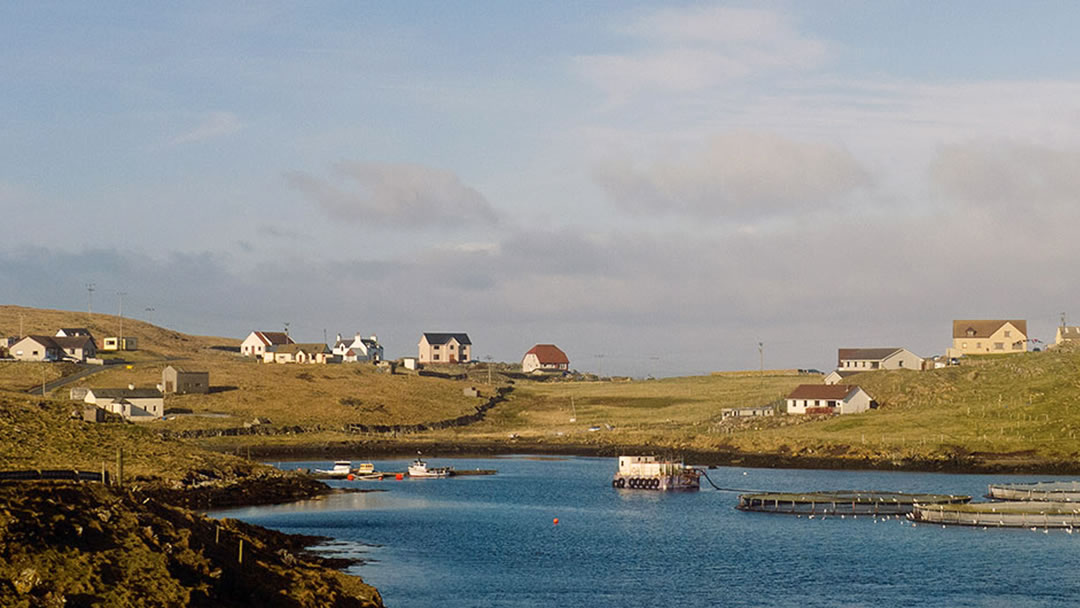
(180, 381)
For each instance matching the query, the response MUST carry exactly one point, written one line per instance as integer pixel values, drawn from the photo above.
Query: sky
(657, 188)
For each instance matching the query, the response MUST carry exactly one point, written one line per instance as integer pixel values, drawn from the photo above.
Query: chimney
(374, 338)
(339, 337)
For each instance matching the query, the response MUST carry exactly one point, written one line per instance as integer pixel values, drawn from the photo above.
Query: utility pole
(150, 315)
(121, 294)
(286, 328)
(90, 287)
(1063, 319)
(489, 368)
(599, 365)
(761, 356)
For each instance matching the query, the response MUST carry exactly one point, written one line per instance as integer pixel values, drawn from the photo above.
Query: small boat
(419, 468)
(366, 472)
(342, 468)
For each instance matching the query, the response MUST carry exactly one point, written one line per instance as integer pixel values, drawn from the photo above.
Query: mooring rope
(718, 488)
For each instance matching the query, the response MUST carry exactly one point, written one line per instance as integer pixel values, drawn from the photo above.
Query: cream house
(867, 359)
(828, 399)
(299, 353)
(986, 337)
(52, 348)
(135, 404)
(258, 343)
(1067, 334)
(437, 347)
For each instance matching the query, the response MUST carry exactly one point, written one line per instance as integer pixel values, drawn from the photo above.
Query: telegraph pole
(121, 294)
(761, 356)
(90, 287)
(150, 315)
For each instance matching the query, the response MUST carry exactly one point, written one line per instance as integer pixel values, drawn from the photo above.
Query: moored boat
(342, 468)
(648, 473)
(419, 468)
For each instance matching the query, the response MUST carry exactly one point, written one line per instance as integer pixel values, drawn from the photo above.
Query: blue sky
(662, 184)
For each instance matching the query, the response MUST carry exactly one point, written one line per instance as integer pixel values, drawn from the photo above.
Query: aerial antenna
(90, 287)
(286, 328)
(121, 294)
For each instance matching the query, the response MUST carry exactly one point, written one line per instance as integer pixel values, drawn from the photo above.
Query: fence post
(240, 557)
(119, 467)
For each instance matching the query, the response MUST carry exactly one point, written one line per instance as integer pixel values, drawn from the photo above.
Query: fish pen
(844, 502)
(1046, 491)
(1025, 514)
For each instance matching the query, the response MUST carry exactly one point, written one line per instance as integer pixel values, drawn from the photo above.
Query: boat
(342, 468)
(419, 468)
(648, 473)
(366, 472)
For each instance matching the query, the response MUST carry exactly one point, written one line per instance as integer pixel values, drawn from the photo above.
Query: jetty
(843, 502)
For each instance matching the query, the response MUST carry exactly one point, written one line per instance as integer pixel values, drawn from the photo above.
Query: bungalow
(49, 348)
(1067, 334)
(358, 349)
(444, 348)
(299, 353)
(988, 337)
(545, 357)
(258, 343)
(865, 359)
(180, 381)
(828, 399)
(135, 404)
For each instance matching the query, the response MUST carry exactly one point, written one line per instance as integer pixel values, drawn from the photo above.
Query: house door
(169, 386)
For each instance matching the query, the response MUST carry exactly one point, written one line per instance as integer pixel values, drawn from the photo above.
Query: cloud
(395, 194)
(739, 176)
(1011, 176)
(692, 49)
(215, 124)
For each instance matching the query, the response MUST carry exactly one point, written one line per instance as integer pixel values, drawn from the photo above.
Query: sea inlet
(493, 541)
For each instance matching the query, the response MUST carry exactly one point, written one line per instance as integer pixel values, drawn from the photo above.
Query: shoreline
(959, 462)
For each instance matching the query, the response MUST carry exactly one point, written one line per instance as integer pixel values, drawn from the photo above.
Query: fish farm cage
(1025, 514)
(843, 502)
(1046, 491)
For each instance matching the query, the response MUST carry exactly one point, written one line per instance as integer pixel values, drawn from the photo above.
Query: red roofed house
(828, 399)
(545, 357)
(258, 343)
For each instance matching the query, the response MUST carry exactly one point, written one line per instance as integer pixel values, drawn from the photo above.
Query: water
(491, 541)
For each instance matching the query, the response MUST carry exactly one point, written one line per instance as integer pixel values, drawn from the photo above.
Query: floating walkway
(1025, 514)
(843, 502)
(1046, 491)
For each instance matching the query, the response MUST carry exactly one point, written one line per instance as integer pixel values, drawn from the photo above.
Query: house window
(1008, 334)
(1018, 345)
(436, 347)
(978, 345)
(999, 346)
(900, 363)
(874, 365)
(435, 357)
(817, 401)
(451, 347)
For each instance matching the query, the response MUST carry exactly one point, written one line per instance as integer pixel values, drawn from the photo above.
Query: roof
(548, 354)
(125, 393)
(274, 337)
(443, 338)
(870, 354)
(46, 341)
(181, 370)
(74, 331)
(844, 373)
(984, 328)
(73, 341)
(310, 347)
(822, 391)
(1069, 332)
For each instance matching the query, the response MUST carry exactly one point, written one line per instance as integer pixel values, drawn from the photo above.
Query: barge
(648, 473)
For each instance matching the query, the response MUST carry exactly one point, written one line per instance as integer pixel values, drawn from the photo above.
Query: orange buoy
(350, 477)
(555, 521)
(399, 476)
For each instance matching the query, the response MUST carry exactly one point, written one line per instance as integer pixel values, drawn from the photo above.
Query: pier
(843, 502)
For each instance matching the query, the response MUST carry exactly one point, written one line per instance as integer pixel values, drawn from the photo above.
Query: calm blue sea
(491, 541)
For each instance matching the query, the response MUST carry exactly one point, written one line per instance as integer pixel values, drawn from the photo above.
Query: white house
(828, 399)
(358, 349)
(135, 404)
(866, 359)
(545, 357)
(258, 343)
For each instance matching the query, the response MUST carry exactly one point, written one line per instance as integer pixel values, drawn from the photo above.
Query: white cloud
(740, 175)
(213, 125)
(395, 194)
(699, 48)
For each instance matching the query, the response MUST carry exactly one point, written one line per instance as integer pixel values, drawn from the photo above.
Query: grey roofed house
(443, 338)
(131, 403)
(52, 348)
(180, 381)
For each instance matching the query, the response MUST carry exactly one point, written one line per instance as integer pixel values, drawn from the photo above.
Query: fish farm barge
(1046, 491)
(1026, 514)
(843, 502)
